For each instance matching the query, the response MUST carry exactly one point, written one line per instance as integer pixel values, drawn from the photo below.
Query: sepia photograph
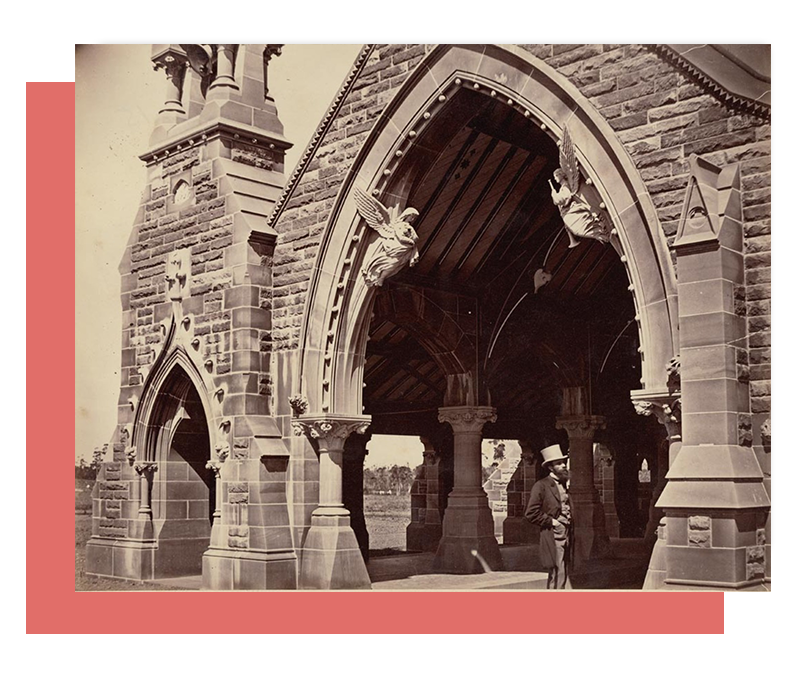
(423, 317)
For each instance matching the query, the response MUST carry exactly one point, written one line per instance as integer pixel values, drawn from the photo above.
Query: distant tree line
(394, 480)
(88, 470)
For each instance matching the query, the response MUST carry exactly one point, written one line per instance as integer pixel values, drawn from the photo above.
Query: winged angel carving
(579, 203)
(397, 245)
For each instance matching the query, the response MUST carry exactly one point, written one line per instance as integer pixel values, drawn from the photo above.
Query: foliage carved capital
(581, 426)
(329, 430)
(467, 418)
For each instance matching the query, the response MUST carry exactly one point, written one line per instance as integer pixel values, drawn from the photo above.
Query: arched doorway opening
(183, 488)
(478, 131)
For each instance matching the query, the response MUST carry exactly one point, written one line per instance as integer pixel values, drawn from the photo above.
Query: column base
(331, 557)
(222, 87)
(657, 570)
(590, 535)
(468, 528)
(248, 570)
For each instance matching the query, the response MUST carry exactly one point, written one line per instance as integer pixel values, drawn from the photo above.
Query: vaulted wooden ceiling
(486, 223)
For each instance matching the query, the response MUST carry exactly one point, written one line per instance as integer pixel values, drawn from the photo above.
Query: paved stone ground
(393, 569)
(491, 581)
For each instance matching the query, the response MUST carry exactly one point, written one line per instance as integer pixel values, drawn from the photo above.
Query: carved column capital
(581, 426)
(146, 467)
(527, 452)
(431, 457)
(215, 466)
(330, 430)
(467, 418)
(667, 409)
(172, 62)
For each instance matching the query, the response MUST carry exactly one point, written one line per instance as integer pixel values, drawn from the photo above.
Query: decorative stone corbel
(130, 453)
(299, 404)
(667, 410)
(673, 371)
(178, 272)
(222, 445)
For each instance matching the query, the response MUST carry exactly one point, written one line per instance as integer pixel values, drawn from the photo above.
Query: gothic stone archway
(335, 330)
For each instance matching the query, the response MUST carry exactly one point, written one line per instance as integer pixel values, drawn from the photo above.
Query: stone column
(172, 59)
(467, 532)
(141, 529)
(590, 536)
(355, 452)
(269, 51)
(517, 529)
(604, 467)
(217, 539)
(667, 409)
(414, 533)
(331, 557)
(146, 471)
(433, 526)
(424, 530)
(225, 68)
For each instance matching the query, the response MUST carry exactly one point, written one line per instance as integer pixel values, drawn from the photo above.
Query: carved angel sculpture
(579, 204)
(397, 244)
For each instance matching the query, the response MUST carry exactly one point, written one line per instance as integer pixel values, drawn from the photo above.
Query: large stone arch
(334, 331)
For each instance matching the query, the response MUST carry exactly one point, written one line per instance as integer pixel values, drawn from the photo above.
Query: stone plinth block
(230, 570)
(722, 567)
(122, 559)
(331, 557)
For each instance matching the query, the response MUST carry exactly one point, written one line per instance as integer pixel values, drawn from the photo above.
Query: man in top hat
(549, 507)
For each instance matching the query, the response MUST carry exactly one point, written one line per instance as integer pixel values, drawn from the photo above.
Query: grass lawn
(387, 517)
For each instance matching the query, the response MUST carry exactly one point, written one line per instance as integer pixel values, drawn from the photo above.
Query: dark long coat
(543, 506)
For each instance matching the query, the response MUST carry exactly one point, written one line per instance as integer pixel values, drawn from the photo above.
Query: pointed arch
(166, 388)
(335, 327)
